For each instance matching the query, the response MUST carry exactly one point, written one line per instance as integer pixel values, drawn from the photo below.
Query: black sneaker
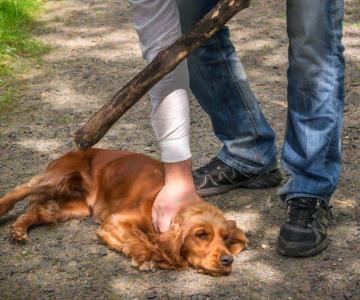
(217, 178)
(305, 231)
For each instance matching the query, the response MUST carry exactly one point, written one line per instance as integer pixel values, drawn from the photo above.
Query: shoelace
(303, 213)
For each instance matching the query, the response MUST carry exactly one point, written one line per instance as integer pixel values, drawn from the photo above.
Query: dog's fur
(118, 188)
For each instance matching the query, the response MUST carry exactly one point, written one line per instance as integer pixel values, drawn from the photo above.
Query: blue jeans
(218, 81)
(311, 152)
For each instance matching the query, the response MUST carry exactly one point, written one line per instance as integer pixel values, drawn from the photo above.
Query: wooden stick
(164, 62)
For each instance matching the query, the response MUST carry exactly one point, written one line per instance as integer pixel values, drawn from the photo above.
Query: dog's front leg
(125, 237)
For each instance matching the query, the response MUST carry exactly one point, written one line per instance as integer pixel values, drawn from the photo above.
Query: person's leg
(218, 81)
(311, 152)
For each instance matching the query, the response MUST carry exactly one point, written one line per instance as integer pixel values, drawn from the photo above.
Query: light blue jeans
(312, 151)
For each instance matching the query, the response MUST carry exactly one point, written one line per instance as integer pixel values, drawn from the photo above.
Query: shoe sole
(289, 251)
(269, 180)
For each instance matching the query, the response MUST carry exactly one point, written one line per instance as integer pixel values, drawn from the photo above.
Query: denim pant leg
(312, 150)
(218, 81)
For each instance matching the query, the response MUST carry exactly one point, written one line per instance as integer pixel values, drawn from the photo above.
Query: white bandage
(170, 120)
(158, 26)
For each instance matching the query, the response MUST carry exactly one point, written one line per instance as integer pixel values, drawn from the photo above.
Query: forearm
(158, 25)
(170, 117)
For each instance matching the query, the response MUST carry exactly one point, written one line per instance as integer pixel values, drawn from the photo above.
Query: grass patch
(17, 20)
(8, 93)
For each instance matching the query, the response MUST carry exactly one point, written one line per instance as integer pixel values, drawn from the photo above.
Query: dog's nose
(226, 260)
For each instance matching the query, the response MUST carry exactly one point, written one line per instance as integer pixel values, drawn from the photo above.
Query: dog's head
(201, 237)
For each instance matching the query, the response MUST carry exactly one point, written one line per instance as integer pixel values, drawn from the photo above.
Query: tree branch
(164, 62)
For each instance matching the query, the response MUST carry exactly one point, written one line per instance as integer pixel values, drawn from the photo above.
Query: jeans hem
(287, 197)
(242, 167)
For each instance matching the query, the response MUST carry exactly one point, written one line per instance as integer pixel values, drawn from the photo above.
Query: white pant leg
(158, 26)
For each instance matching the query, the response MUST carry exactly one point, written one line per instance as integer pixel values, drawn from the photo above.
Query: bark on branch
(164, 62)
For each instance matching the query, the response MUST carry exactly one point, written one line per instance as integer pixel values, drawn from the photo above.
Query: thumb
(155, 219)
(164, 223)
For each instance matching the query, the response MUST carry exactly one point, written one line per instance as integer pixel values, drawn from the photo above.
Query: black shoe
(305, 231)
(217, 178)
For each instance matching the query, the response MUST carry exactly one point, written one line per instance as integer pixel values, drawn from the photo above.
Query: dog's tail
(49, 186)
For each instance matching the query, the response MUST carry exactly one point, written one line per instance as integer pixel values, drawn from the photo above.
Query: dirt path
(94, 53)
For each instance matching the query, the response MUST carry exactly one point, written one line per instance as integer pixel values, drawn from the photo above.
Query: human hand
(179, 190)
(168, 202)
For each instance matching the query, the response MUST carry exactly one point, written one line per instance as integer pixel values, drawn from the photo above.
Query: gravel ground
(95, 52)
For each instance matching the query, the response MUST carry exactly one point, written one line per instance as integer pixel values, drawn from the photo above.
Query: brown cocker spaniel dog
(118, 188)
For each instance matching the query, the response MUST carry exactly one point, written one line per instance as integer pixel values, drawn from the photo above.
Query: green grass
(17, 20)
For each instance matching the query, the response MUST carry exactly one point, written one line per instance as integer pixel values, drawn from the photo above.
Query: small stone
(151, 293)
(26, 269)
(88, 285)
(102, 252)
(47, 290)
(198, 297)
(347, 295)
(264, 246)
(12, 135)
(223, 294)
(116, 270)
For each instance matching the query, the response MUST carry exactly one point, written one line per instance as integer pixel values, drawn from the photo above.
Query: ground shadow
(94, 53)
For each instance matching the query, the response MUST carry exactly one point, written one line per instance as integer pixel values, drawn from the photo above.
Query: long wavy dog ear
(170, 244)
(237, 239)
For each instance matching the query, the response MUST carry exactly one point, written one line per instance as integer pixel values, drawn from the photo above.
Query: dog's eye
(202, 235)
(227, 239)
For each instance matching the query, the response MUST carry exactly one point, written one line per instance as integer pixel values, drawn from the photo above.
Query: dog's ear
(237, 239)
(170, 244)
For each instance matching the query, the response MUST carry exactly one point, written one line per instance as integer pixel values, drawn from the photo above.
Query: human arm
(158, 26)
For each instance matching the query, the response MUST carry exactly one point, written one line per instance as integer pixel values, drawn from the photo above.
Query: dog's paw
(125, 250)
(18, 234)
(144, 266)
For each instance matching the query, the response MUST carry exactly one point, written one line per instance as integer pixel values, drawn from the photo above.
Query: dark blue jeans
(311, 152)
